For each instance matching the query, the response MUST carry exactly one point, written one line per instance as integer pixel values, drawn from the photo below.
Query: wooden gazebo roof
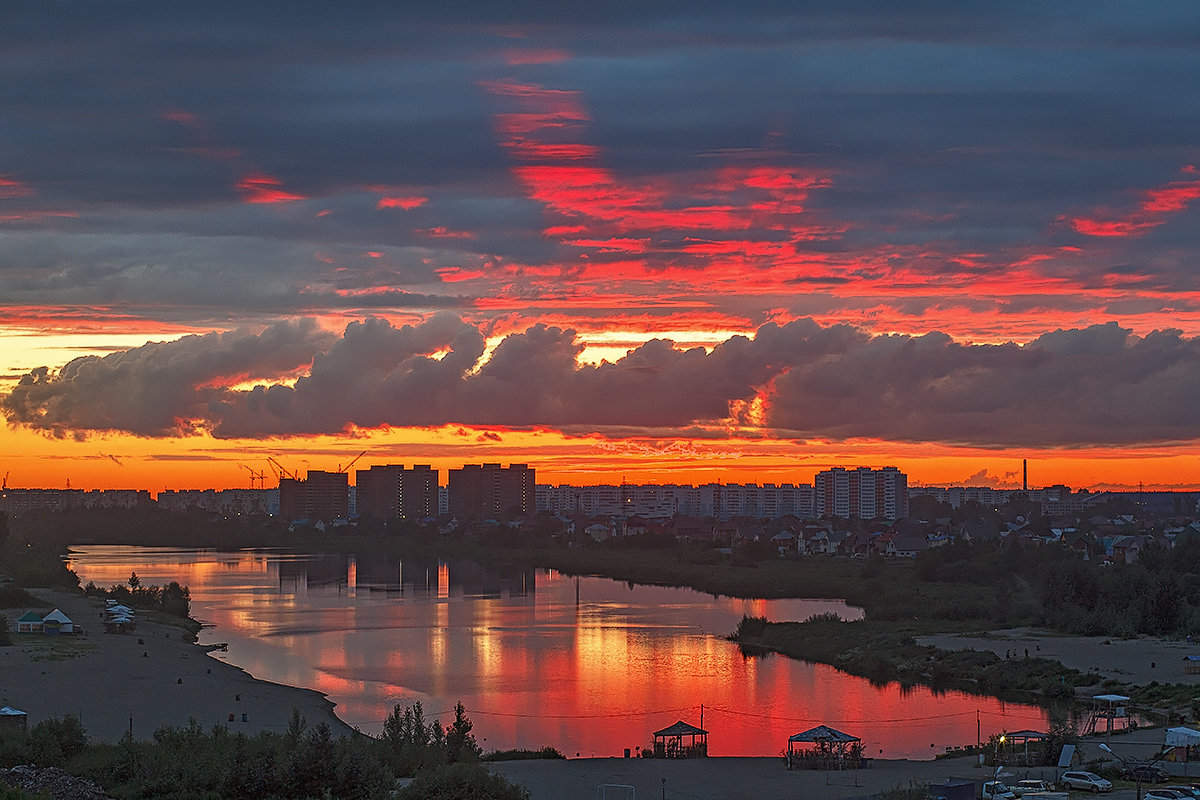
(681, 728)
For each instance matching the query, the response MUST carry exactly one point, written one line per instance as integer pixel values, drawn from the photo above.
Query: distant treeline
(1159, 594)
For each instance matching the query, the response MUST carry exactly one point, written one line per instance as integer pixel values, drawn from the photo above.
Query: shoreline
(151, 678)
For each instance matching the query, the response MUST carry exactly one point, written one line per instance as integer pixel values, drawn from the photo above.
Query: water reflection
(588, 665)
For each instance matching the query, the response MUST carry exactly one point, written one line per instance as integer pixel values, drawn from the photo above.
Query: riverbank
(141, 681)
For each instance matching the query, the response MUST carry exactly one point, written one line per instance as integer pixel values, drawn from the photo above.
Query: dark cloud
(1098, 385)
(947, 127)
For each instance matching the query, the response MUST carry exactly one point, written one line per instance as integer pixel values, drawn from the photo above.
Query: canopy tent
(57, 622)
(1182, 737)
(668, 743)
(828, 748)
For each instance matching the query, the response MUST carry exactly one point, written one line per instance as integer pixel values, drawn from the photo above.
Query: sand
(768, 779)
(1137, 661)
(141, 681)
(727, 778)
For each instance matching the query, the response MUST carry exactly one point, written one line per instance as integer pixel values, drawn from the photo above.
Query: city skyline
(664, 242)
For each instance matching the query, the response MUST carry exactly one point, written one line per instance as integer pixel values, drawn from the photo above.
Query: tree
(134, 580)
(460, 744)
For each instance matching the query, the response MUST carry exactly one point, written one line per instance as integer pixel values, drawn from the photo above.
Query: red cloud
(10, 187)
(1157, 203)
(260, 188)
(406, 203)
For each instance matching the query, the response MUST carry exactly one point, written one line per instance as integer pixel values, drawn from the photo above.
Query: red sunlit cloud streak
(264, 189)
(406, 203)
(10, 188)
(1156, 205)
(654, 217)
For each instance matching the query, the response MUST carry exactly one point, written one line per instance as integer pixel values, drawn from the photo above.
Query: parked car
(1022, 788)
(1146, 773)
(996, 790)
(1087, 781)
(1164, 794)
(1186, 791)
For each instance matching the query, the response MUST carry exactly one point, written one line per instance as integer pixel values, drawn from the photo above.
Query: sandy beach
(1139, 661)
(145, 679)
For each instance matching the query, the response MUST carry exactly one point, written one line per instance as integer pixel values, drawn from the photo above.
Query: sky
(647, 242)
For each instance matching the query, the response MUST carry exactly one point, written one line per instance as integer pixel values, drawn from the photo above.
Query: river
(590, 666)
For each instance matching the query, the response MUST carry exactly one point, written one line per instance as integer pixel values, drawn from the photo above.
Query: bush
(462, 782)
(523, 755)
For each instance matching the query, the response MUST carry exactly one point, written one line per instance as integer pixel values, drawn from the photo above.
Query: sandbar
(140, 681)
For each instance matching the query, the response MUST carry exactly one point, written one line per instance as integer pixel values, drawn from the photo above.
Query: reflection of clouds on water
(583, 664)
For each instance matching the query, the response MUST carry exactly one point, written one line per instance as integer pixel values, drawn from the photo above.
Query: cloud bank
(1096, 385)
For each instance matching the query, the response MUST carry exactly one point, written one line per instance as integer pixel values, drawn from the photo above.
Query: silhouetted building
(390, 491)
(323, 495)
(489, 490)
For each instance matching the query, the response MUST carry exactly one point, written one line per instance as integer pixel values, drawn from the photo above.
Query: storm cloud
(1098, 385)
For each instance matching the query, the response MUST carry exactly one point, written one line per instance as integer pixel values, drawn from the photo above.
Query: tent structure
(824, 747)
(668, 743)
(1182, 737)
(29, 622)
(57, 622)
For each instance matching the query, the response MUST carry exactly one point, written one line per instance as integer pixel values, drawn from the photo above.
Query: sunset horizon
(657, 244)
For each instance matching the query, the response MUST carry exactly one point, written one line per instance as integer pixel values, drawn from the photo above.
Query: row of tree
(190, 763)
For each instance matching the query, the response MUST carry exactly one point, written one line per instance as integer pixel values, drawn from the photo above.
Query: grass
(53, 648)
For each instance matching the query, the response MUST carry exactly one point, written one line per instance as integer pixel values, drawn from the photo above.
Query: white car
(1088, 781)
(995, 790)
(1022, 788)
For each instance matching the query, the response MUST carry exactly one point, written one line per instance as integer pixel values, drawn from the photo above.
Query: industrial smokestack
(1024, 474)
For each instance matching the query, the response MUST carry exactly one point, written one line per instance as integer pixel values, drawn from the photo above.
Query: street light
(1137, 773)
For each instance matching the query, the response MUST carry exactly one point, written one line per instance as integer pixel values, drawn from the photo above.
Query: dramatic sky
(653, 240)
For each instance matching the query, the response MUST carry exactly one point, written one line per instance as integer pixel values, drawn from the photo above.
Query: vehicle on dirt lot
(1164, 794)
(1022, 788)
(1087, 781)
(996, 790)
(1146, 773)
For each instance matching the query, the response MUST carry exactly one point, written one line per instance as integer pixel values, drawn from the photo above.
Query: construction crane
(283, 470)
(352, 461)
(261, 477)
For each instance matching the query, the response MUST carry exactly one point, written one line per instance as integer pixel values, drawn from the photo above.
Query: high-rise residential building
(488, 490)
(861, 492)
(390, 491)
(322, 495)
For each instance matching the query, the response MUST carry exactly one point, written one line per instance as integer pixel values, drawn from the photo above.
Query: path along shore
(144, 680)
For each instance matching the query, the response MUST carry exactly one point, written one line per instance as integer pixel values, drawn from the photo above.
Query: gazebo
(30, 622)
(824, 747)
(1013, 748)
(668, 743)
